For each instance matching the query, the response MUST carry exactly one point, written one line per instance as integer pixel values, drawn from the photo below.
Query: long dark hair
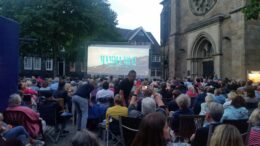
(151, 131)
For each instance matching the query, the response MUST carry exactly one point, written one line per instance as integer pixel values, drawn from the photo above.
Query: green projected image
(118, 60)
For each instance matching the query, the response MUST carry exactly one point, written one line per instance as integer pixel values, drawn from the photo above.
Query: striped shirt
(254, 137)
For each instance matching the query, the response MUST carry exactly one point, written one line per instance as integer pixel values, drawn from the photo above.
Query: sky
(135, 13)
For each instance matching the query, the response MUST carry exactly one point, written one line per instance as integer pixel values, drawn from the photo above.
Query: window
(49, 64)
(27, 62)
(156, 72)
(37, 63)
(156, 58)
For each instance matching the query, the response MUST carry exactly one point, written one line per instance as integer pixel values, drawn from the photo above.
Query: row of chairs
(189, 124)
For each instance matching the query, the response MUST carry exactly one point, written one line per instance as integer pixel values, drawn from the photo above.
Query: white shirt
(104, 94)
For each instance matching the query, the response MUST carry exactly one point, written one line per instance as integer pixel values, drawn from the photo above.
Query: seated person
(254, 134)
(213, 117)
(117, 110)
(104, 95)
(172, 105)
(183, 102)
(219, 98)
(205, 105)
(9, 133)
(148, 104)
(226, 135)
(15, 105)
(153, 131)
(50, 101)
(236, 111)
(231, 95)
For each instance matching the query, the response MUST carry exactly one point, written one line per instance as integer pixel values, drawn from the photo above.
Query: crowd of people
(153, 101)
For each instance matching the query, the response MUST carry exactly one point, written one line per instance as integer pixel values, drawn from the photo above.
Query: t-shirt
(116, 111)
(126, 86)
(84, 91)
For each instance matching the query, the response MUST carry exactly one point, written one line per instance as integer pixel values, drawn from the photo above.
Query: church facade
(208, 38)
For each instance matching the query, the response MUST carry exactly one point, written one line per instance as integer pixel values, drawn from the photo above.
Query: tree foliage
(61, 23)
(252, 9)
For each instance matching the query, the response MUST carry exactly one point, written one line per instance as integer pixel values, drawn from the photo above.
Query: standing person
(81, 100)
(126, 86)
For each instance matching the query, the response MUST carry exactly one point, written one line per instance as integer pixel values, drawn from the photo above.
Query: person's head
(153, 131)
(226, 135)
(28, 83)
(14, 100)
(183, 101)
(191, 88)
(255, 116)
(231, 95)
(250, 92)
(105, 85)
(215, 113)
(148, 105)
(209, 99)
(85, 138)
(217, 92)
(176, 93)
(118, 100)
(147, 92)
(131, 75)
(238, 102)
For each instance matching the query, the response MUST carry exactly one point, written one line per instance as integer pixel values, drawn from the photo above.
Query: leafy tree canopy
(252, 9)
(61, 23)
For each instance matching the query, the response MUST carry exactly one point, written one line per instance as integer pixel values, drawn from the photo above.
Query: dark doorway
(208, 69)
(61, 69)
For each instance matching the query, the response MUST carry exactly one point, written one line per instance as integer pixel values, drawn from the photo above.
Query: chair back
(242, 125)
(128, 129)
(48, 113)
(189, 124)
(19, 118)
(212, 127)
(113, 125)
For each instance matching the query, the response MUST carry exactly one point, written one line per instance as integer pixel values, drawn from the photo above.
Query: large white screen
(118, 59)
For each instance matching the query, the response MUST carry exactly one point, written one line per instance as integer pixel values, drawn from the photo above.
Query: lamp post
(62, 52)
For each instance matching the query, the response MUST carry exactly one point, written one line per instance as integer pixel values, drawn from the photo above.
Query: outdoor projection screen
(118, 59)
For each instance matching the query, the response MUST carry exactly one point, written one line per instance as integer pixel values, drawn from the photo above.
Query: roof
(129, 34)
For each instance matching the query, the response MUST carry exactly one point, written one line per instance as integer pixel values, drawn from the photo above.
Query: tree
(61, 23)
(252, 9)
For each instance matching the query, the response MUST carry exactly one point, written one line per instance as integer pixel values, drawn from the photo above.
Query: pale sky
(135, 13)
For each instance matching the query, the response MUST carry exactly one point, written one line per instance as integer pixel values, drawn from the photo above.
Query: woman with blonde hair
(254, 134)
(226, 135)
(231, 95)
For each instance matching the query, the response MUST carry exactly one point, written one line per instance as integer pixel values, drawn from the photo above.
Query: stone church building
(207, 38)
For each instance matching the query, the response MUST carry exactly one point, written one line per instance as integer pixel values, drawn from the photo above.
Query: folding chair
(48, 113)
(188, 125)
(128, 129)
(19, 118)
(113, 130)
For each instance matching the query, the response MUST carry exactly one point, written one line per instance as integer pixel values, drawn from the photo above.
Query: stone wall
(238, 50)
(252, 45)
